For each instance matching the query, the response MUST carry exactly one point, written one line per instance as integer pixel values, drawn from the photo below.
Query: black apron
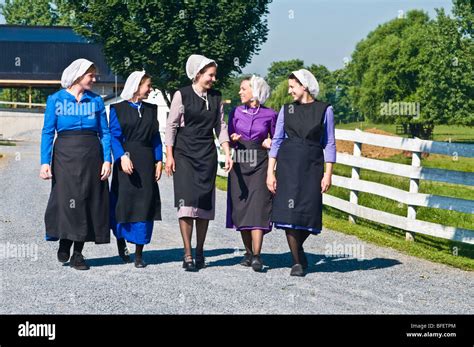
(137, 195)
(79, 201)
(300, 167)
(195, 152)
(250, 199)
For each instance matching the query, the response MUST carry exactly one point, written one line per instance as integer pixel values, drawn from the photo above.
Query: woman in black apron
(249, 202)
(137, 149)
(191, 154)
(304, 128)
(77, 210)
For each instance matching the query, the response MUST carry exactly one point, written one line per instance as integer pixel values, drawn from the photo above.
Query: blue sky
(325, 31)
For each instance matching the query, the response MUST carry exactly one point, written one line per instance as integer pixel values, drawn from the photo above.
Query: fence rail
(414, 172)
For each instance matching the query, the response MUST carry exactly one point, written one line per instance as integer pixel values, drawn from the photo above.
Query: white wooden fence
(415, 172)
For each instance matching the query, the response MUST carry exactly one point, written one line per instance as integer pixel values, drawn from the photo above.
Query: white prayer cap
(260, 89)
(308, 81)
(75, 70)
(131, 84)
(195, 64)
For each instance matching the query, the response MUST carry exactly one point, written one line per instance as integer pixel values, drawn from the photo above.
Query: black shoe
(188, 263)
(247, 260)
(123, 251)
(297, 270)
(77, 262)
(200, 262)
(139, 263)
(64, 251)
(257, 264)
(303, 259)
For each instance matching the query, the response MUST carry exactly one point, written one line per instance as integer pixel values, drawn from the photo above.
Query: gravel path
(378, 280)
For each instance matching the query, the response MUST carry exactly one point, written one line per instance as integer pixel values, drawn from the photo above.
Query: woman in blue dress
(137, 149)
(79, 165)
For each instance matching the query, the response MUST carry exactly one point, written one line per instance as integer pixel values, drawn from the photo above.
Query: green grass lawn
(441, 132)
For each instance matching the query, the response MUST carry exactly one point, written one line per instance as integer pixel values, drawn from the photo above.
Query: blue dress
(137, 232)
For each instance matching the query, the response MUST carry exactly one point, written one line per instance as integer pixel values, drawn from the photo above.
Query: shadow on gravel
(317, 262)
(156, 257)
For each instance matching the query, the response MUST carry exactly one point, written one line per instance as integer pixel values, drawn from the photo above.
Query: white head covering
(260, 89)
(195, 64)
(131, 84)
(308, 80)
(75, 70)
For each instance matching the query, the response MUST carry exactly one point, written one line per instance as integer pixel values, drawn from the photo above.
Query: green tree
(38, 12)
(385, 67)
(447, 87)
(279, 71)
(159, 35)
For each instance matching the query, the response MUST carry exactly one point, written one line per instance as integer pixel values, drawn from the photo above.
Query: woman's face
(87, 81)
(245, 92)
(144, 90)
(207, 78)
(296, 90)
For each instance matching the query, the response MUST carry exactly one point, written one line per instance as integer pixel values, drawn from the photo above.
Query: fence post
(414, 186)
(354, 194)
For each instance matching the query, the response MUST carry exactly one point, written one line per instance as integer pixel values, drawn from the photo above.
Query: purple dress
(254, 125)
(328, 142)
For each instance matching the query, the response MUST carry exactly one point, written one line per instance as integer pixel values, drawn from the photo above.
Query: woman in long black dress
(304, 128)
(79, 165)
(137, 149)
(191, 154)
(249, 202)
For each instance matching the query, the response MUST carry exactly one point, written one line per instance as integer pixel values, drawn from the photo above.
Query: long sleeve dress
(189, 128)
(78, 204)
(135, 199)
(248, 199)
(308, 124)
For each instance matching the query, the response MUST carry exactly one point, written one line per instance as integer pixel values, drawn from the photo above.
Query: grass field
(441, 132)
(435, 249)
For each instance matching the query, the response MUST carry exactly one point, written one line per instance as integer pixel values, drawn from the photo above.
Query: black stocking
(293, 242)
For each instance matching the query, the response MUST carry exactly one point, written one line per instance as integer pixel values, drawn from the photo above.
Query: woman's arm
(328, 142)
(172, 123)
(47, 138)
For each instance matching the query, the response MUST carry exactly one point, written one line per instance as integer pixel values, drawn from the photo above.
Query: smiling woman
(78, 207)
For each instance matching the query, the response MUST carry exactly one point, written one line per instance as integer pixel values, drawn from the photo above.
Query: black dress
(195, 152)
(78, 205)
(135, 198)
(300, 167)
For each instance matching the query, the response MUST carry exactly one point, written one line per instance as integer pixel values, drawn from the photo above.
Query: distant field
(441, 132)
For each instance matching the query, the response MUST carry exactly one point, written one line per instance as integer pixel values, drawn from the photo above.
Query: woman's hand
(267, 143)
(170, 165)
(235, 137)
(271, 182)
(105, 172)
(126, 164)
(45, 172)
(158, 169)
(326, 182)
(229, 163)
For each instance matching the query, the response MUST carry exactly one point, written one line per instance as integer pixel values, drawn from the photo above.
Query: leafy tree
(38, 12)
(279, 71)
(159, 35)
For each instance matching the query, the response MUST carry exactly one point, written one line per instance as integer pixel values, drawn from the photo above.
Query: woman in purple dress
(304, 128)
(249, 203)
